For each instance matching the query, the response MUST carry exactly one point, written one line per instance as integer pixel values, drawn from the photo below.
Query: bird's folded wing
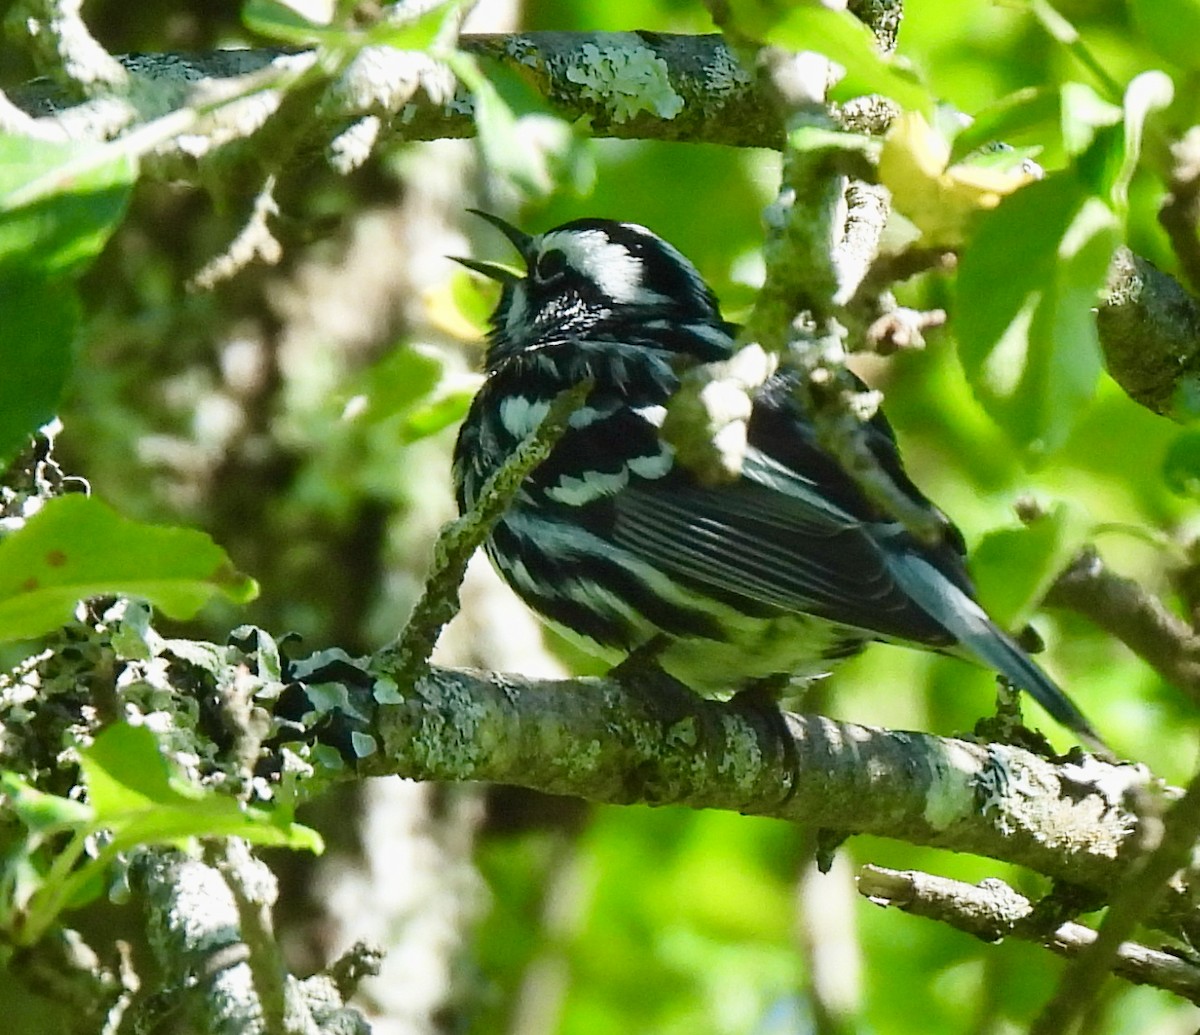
(773, 539)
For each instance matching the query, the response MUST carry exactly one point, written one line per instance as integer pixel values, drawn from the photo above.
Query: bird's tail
(980, 640)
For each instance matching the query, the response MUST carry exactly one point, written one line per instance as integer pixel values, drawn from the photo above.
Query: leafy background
(227, 411)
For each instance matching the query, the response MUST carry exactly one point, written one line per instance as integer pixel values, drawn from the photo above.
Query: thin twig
(459, 539)
(991, 911)
(254, 889)
(1137, 618)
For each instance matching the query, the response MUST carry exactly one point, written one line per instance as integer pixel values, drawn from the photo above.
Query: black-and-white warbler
(784, 570)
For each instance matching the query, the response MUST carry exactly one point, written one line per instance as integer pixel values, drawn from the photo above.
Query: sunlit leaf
(1148, 93)
(1171, 27)
(418, 33)
(40, 811)
(138, 797)
(840, 37)
(77, 547)
(1082, 113)
(287, 22)
(461, 306)
(940, 199)
(1025, 111)
(1014, 567)
(59, 203)
(1027, 285)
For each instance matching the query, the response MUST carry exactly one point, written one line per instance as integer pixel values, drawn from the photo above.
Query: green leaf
(59, 203)
(1032, 110)
(1027, 285)
(1147, 93)
(418, 34)
(281, 21)
(505, 153)
(1181, 466)
(440, 412)
(137, 797)
(42, 812)
(1171, 27)
(37, 332)
(1075, 111)
(403, 379)
(840, 37)
(1083, 112)
(77, 547)
(1014, 567)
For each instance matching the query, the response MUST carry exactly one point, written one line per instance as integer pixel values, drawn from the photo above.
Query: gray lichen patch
(624, 81)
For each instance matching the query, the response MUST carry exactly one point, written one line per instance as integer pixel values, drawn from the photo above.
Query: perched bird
(778, 573)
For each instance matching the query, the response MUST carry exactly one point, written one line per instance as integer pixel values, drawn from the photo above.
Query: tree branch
(208, 972)
(1137, 618)
(991, 911)
(1150, 334)
(634, 85)
(600, 740)
(1164, 848)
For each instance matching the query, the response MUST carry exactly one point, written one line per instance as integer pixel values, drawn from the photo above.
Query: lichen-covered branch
(597, 739)
(1164, 848)
(992, 910)
(198, 939)
(637, 85)
(604, 741)
(338, 718)
(1150, 334)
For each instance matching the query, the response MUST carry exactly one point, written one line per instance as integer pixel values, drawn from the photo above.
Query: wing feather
(770, 549)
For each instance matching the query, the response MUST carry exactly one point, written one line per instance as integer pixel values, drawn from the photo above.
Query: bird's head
(592, 276)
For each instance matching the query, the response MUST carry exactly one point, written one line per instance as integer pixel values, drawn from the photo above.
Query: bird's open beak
(522, 241)
(493, 270)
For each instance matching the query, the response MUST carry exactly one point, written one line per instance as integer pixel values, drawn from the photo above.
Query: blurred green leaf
(281, 21)
(840, 37)
(474, 297)
(41, 812)
(943, 201)
(1083, 111)
(420, 32)
(1014, 567)
(1032, 109)
(402, 380)
(1027, 285)
(37, 331)
(1149, 92)
(1181, 466)
(505, 152)
(133, 795)
(77, 547)
(1171, 27)
(59, 203)
(442, 411)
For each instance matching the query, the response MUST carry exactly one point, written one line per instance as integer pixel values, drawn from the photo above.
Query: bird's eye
(550, 266)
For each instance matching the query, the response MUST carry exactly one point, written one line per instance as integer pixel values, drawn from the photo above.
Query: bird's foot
(761, 698)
